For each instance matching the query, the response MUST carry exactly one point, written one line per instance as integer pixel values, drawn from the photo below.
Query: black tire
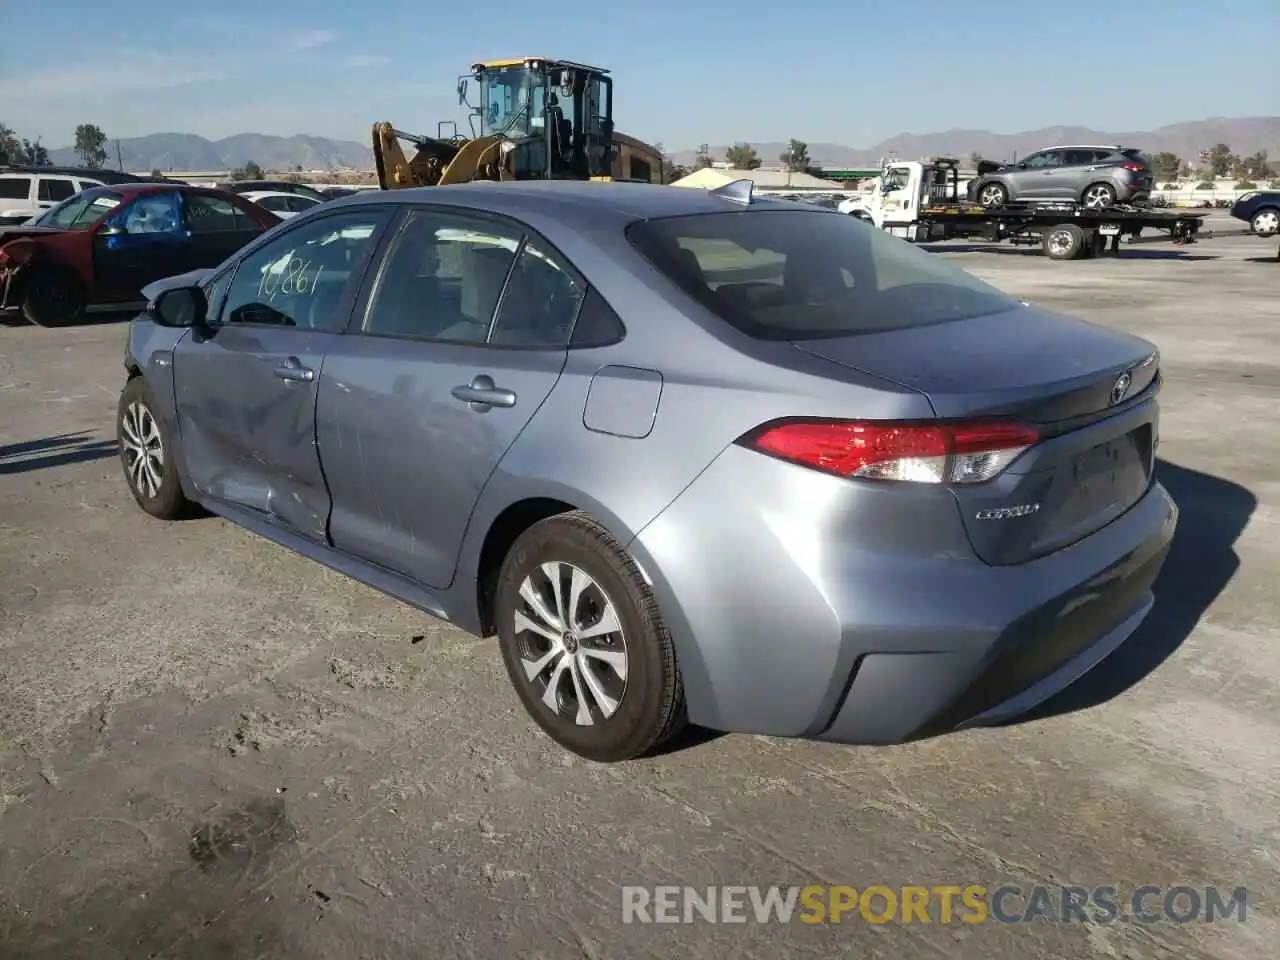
(135, 417)
(53, 297)
(992, 195)
(650, 704)
(1063, 242)
(1098, 196)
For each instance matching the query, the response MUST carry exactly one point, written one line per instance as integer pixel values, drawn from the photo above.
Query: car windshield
(804, 275)
(82, 211)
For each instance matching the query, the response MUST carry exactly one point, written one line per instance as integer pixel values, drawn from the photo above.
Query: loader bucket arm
(396, 171)
(475, 161)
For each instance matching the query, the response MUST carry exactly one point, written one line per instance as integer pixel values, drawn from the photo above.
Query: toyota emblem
(1121, 387)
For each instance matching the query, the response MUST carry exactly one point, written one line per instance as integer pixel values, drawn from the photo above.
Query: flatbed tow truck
(920, 201)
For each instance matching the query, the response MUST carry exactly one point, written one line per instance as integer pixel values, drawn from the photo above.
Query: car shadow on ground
(1126, 252)
(56, 451)
(1201, 562)
(12, 319)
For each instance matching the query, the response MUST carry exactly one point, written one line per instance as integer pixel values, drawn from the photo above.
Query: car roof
(141, 189)
(568, 199)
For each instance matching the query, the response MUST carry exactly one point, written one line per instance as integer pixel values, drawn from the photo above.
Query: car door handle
(292, 369)
(482, 393)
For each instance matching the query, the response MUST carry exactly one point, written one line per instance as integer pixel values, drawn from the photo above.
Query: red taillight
(920, 453)
(1135, 167)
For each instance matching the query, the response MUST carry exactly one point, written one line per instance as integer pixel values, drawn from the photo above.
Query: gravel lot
(210, 748)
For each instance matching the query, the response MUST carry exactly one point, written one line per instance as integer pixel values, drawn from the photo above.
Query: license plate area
(1109, 229)
(1109, 477)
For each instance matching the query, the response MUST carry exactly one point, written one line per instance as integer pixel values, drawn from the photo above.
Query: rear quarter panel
(716, 385)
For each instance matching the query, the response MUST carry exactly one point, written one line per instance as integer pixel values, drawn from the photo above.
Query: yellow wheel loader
(534, 119)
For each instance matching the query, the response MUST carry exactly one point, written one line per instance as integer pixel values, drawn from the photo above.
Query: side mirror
(180, 307)
(112, 230)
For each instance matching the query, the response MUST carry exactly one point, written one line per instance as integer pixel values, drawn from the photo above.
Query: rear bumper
(782, 631)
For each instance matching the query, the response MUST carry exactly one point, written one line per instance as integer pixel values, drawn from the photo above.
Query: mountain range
(186, 151)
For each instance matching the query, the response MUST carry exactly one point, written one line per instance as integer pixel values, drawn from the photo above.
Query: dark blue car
(1261, 210)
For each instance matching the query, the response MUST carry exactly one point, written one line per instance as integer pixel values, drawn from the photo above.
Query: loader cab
(557, 114)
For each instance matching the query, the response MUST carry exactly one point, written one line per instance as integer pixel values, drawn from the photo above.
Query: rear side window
(807, 274)
(56, 190)
(206, 214)
(15, 188)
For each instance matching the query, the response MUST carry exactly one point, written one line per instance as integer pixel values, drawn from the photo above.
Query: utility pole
(119, 162)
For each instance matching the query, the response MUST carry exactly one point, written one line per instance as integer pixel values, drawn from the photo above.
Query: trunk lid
(17, 233)
(1059, 374)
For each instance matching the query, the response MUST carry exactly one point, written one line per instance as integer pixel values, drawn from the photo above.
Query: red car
(98, 249)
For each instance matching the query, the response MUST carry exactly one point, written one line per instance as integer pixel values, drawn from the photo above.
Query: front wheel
(53, 298)
(147, 454)
(1266, 223)
(584, 643)
(993, 196)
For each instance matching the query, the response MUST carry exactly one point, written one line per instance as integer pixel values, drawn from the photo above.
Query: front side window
(153, 213)
(274, 204)
(298, 203)
(442, 278)
(298, 279)
(806, 274)
(215, 291)
(1040, 160)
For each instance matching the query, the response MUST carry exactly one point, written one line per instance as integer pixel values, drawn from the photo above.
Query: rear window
(15, 188)
(806, 275)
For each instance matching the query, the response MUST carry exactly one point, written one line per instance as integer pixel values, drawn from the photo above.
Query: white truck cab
(903, 190)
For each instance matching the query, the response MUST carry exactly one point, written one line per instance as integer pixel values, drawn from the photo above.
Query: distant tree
(91, 145)
(10, 145)
(1257, 165)
(155, 172)
(974, 159)
(796, 157)
(250, 171)
(742, 156)
(703, 158)
(1166, 165)
(1220, 160)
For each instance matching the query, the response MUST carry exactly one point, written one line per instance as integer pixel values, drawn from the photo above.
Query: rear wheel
(1266, 222)
(584, 642)
(993, 195)
(1063, 242)
(53, 298)
(1098, 195)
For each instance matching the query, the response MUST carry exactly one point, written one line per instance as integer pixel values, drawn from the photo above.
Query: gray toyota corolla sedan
(690, 456)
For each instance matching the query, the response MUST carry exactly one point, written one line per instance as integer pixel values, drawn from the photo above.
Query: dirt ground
(210, 748)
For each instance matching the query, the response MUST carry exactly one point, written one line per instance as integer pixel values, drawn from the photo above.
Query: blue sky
(685, 72)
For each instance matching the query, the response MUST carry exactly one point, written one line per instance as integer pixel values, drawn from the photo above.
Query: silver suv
(1093, 175)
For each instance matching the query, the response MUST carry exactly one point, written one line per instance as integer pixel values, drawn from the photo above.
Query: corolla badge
(1120, 388)
(1008, 513)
